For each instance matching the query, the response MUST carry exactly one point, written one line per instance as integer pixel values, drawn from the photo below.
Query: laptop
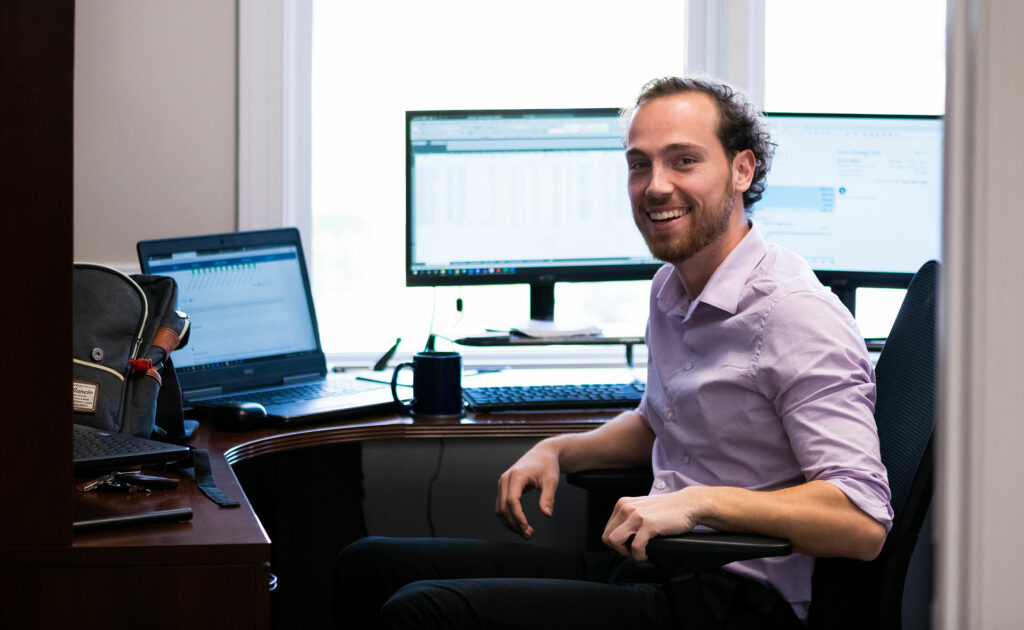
(96, 450)
(254, 334)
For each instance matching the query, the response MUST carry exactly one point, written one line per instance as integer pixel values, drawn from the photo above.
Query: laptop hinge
(300, 378)
(206, 392)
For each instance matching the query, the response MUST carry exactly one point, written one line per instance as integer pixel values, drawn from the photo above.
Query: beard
(707, 223)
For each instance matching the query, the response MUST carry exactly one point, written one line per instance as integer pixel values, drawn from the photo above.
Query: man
(758, 414)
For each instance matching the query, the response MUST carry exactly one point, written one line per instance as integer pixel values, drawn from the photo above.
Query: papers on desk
(539, 329)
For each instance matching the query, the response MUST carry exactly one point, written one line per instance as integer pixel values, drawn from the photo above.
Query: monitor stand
(542, 301)
(542, 322)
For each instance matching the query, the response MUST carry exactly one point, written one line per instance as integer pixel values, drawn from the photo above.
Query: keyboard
(94, 449)
(524, 398)
(312, 391)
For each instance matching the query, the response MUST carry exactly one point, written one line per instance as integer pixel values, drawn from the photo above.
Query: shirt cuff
(865, 495)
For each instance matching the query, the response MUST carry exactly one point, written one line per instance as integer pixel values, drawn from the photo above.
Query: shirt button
(688, 365)
(660, 485)
(687, 460)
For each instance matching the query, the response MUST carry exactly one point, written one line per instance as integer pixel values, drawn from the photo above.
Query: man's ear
(743, 165)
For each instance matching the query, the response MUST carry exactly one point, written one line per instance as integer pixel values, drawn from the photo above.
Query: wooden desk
(306, 486)
(238, 447)
(210, 572)
(213, 571)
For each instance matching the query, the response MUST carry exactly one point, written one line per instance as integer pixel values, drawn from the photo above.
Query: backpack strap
(203, 475)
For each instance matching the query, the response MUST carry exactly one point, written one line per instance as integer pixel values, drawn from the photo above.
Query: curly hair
(740, 127)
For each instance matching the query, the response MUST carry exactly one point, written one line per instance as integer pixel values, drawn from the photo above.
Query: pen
(377, 380)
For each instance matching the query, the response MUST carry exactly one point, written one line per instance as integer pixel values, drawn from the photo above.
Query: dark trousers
(414, 583)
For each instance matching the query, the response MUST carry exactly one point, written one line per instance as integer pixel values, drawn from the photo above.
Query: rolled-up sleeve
(813, 364)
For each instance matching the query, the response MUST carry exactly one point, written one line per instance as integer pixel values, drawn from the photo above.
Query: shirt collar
(725, 284)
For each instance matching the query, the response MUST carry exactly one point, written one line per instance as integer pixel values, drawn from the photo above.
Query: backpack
(125, 328)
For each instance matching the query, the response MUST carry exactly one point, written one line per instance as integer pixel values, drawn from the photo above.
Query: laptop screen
(245, 304)
(253, 323)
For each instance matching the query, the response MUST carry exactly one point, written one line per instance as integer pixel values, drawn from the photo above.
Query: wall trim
(725, 39)
(274, 113)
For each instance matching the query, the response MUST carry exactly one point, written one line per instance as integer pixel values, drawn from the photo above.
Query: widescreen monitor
(539, 197)
(858, 196)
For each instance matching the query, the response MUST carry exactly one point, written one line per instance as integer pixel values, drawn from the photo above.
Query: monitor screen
(519, 196)
(859, 197)
(539, 196)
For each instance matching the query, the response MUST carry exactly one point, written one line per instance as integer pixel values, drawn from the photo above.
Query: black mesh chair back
(854, 594)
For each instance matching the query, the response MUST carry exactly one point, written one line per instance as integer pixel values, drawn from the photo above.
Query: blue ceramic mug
(436, 385)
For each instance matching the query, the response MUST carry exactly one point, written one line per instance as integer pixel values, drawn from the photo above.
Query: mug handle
(394, 387)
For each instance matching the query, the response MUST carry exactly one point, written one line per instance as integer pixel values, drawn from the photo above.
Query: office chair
(845, 593)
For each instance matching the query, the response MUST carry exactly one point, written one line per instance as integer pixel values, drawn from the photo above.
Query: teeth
(664, 215)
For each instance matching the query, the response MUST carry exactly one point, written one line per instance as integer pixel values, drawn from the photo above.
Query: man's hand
(539, 469)
(643, 518)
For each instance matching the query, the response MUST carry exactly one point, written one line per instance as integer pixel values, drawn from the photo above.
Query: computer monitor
(519, 196)
(858, 196)
(539, 196)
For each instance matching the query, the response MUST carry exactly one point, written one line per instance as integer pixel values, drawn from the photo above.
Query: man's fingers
(499, 503)
(637, 545)
(547, 495)
(509, 509)
(624, 531)
(618, 539)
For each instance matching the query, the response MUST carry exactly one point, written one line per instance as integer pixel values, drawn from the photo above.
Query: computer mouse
(241, 416)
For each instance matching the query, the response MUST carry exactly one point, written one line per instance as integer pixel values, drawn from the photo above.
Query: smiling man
(758, 416)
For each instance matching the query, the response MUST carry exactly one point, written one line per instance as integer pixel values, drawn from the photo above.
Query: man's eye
(637, 164)
(686, 161)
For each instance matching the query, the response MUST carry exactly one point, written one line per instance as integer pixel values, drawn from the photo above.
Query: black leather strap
(205, 480)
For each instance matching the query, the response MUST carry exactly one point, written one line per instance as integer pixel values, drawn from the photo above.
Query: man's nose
(659, 185)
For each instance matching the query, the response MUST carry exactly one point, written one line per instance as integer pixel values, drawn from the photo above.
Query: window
(869, 57)
(371, 65)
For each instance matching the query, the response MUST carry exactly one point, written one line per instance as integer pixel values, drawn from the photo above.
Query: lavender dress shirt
(762, 382)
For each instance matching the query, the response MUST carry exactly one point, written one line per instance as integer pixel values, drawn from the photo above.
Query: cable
(430, 489)
(383, 361)
(429, 347)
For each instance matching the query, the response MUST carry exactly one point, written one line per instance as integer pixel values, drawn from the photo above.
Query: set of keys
(131, 481)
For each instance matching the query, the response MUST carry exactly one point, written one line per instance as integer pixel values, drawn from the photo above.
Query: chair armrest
(701, 551)
(695, 551)
(625, 481)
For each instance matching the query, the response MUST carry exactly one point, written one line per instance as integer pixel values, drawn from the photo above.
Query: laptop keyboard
(312, 391)
(96, 450)
(91, 442)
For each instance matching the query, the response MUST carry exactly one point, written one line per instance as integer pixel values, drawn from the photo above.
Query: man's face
(680, 181)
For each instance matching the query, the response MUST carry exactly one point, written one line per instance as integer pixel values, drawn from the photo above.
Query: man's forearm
(817, 517)
(622, 442)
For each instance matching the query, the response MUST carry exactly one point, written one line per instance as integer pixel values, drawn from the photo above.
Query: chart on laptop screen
(242, 304)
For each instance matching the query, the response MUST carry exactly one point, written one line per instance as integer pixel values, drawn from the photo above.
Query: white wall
(155, 123)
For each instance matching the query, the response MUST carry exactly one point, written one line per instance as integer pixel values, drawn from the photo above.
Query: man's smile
(666, 214)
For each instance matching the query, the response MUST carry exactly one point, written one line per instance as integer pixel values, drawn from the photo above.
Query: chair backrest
(854, 594)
